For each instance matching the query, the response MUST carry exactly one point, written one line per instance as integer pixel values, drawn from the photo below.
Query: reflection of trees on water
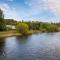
(22, 40)
(2, 44)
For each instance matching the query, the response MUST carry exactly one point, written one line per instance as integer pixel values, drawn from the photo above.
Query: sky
(31, 10)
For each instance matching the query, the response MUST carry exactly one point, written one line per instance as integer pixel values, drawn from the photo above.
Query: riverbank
(14, 33)
(9, 33)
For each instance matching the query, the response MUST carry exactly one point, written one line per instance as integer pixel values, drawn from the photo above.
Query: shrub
(52, 28)
(22, 28)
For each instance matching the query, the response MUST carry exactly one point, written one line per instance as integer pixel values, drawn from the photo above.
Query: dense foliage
(43, 26)
(22, 28)
(2, 21)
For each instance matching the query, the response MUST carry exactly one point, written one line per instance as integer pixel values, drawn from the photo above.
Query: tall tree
(1, 14)
(2, 21)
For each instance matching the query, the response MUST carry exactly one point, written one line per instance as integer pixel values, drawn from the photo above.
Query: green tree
(1, 14)
(2, 21)
(22, 28)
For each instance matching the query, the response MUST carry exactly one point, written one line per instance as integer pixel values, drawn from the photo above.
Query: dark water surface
(42, 46)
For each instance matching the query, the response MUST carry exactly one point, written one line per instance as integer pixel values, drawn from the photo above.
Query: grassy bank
(9, 33)
(14, 33)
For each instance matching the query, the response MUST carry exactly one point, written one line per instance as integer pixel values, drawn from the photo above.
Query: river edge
(14, 33)
(8, 33)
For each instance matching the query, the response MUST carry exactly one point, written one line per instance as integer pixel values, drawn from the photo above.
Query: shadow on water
(2, 45)
(22, 40)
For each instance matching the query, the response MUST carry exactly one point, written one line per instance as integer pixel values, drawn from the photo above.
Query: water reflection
(22, 40)
(2, 44)
(42, 46)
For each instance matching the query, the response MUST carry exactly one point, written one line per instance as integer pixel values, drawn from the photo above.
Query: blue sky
(28, 10)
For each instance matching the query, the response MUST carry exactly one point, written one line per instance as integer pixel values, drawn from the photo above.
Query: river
(41, 46)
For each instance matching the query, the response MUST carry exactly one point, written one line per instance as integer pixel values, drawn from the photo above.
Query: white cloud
(39, 6)
(4, 7)
(54, 6)
(36, 7)
(8, 12)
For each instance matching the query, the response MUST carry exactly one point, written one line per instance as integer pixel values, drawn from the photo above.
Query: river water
(41, 46)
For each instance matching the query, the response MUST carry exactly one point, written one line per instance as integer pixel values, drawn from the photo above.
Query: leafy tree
(1, 14)
(2, 22)
(29, 24)
(22, 28)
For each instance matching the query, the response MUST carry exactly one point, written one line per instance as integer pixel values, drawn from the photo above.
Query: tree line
(23, 25)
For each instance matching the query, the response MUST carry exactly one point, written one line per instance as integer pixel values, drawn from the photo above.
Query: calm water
(42, 46)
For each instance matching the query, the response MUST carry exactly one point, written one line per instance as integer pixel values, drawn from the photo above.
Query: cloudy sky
(38, 10)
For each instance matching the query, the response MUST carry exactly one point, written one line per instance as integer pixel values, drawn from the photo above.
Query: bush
(52, 28)
(22, 28)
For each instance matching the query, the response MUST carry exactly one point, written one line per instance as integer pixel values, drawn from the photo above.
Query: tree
(2, 22)
(1, 14)
(22, 28)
